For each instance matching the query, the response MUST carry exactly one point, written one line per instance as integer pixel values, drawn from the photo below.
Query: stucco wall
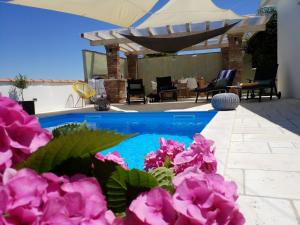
(289, 48)
(206, 65)
(183, 66)
(50, 97)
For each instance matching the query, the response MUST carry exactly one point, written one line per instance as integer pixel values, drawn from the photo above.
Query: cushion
(222, 83)
(225, 101)
(135, 86)
(153, 85)
(224, 74)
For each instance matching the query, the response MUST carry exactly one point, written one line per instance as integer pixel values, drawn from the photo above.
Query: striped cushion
(224, 74)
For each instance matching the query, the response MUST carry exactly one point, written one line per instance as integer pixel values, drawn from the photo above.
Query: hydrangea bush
(20, 134)
(103, 191)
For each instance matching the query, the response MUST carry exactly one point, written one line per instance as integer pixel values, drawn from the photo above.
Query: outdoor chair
(166, 88)
(220, 84)
(264, 79)
(137, 89)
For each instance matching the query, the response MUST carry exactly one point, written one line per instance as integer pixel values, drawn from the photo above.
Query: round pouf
(225, 101)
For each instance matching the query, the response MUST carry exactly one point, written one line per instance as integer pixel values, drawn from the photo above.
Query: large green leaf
(74, 166)
(103, 171)
(77, 145)
(69, 129)
(124, 186)
(164, 178)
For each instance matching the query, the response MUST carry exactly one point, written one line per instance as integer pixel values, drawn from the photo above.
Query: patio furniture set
(264, 81)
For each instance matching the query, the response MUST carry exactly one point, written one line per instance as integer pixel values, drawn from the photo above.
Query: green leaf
(74, 166)
(77, 145)
(103, 171)
(125, 185)
(69, 129)
(164, 178)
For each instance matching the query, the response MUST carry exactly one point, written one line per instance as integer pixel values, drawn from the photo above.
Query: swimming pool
(150, 126)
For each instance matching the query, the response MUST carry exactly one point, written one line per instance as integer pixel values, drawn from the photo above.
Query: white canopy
(119, 12)
(188, 11)
(264, 3)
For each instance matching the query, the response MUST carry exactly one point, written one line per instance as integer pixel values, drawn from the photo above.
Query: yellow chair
(83, 90)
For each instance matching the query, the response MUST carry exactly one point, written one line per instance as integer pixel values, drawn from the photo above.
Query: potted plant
(22, 83)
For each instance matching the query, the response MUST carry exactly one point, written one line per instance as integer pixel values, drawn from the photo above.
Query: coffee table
(237, 89)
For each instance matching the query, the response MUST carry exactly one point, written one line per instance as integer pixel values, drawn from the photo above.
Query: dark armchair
(264, 79)
(165, 88)
(137, 89)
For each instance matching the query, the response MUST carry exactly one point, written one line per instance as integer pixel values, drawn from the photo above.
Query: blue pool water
(150, 127)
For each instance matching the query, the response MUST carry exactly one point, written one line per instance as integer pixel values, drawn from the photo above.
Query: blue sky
(44, 44)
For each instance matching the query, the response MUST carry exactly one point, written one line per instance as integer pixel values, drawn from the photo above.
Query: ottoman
(225, 101)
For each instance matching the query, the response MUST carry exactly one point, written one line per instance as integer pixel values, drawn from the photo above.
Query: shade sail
(188, 11)
(264, 3)
(175, 44)
(118, 12)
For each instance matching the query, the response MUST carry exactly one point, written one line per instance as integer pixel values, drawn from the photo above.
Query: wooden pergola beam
(188, 27)
(150, 31)
(198, 47)
(170, 29)
(206, 29)
(225, 23)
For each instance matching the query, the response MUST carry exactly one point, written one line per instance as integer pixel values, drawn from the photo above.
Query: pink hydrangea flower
(202, 198)
(114, 157)
(20, 134)
(200, 153)
(151, 208)
(167, 151)
(29, 198)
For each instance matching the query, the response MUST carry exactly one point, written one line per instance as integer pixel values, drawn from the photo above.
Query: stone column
(113, 61)
(132, 63)
(233, 55)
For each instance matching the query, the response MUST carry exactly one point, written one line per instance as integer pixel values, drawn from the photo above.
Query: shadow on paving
(283, 112)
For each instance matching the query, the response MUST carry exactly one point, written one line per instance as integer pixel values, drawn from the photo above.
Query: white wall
(289, 48)
(50, 97)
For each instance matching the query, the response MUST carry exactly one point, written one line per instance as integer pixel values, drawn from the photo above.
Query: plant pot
(28, 106)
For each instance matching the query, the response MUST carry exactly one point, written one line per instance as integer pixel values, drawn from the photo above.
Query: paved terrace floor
(258, 146)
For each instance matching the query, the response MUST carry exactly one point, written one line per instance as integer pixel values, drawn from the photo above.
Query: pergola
(230, 43)
(247, 27)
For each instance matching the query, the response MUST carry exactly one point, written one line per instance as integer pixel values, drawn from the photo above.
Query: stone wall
(233, 55)
(115, 90)
(113, 61)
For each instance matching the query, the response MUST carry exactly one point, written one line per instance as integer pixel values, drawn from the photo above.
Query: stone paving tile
(281, 144)
(237, 176)
(250, 147)
(297, 208)
(269, 137)
(283, 162)
(267, 211)
(237, 137)
(276, 184)
(297, 144)
(221, 159)
(256, 130)
(285, 150)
